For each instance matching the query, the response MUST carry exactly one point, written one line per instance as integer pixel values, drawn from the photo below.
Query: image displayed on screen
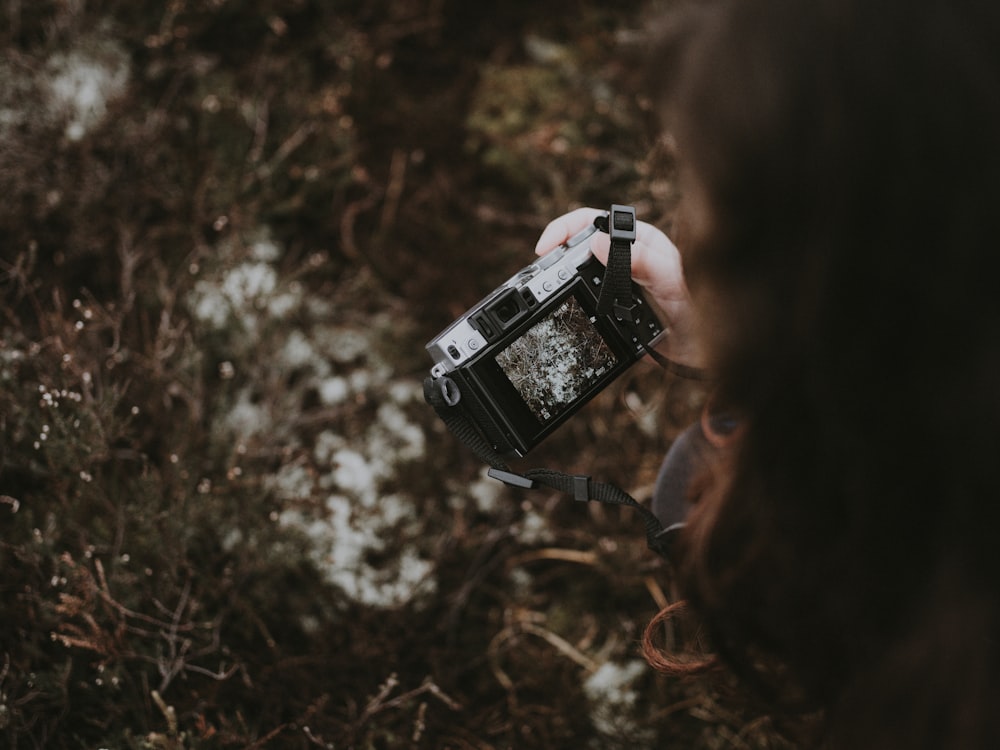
(557, 360)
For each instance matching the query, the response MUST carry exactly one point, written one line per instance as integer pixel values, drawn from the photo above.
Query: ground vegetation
(227, 519)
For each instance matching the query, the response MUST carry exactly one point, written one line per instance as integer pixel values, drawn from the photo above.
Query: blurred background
(227, 518)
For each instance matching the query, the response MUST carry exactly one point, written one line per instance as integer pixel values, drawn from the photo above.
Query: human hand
(656, 266)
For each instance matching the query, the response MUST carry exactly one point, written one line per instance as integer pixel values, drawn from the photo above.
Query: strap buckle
(511, 479)
(581, 488)
(621, 223)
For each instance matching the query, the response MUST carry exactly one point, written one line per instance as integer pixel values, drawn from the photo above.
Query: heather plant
(226, 516)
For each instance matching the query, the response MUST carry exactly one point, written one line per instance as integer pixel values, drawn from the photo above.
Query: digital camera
(531, 353)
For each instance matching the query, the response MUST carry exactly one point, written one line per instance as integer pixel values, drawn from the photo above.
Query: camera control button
(563, 274)
(548, 286)
(473, 344)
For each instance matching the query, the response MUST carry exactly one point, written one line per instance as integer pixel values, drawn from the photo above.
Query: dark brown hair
(843, 163)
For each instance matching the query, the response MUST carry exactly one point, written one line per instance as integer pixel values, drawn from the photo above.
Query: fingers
(655, 260)
(656, 263)
(561, 229)
(656, 266)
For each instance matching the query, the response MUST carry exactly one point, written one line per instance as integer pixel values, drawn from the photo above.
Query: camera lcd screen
(557, 361)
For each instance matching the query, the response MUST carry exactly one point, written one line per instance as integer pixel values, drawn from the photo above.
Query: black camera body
(535, 350)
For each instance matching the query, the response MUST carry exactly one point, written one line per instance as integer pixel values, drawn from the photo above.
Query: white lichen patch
(246, 292)
(293, 482)
(333, 390)
(241, 294)
(357, 474)
(246, 419)
(361, 534)
(249, 285)
(485, 492)
(350, 535)
(406, 391)
(533, 528)
(360, 521)
(341, 488)
(394, 434)
(82, 82)
(613, 698)
(298, 352)
(344, 344)
(69, 89)
(265, 249)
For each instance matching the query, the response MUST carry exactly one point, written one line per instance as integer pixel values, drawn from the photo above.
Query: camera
(520, 362)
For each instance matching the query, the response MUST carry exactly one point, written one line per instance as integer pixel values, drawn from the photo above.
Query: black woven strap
(442, 394)
(675, 368)
(616, 290)
(584, 489)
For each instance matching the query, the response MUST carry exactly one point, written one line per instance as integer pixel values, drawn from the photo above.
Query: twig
(523, 625)
(286, 149)
(347, 243)
(261, 120)
(656, 591)
(562, 646)
(393, 191)
(381, 703)
(376, 703)
(419, 724)
(105, 593)
(554, 553)
(493, 652)
(267, 737)
(168, 713)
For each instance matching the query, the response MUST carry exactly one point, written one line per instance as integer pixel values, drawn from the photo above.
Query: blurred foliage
(216, 283)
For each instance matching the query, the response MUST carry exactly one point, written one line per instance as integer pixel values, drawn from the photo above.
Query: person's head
(840, 161)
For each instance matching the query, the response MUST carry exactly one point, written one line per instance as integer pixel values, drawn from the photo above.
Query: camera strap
(616, 297)
(616, 289)
(440, 393)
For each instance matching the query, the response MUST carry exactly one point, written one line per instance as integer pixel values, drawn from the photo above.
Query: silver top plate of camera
(461, 342)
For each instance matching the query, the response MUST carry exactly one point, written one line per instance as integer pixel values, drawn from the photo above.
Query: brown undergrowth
(226, 517)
